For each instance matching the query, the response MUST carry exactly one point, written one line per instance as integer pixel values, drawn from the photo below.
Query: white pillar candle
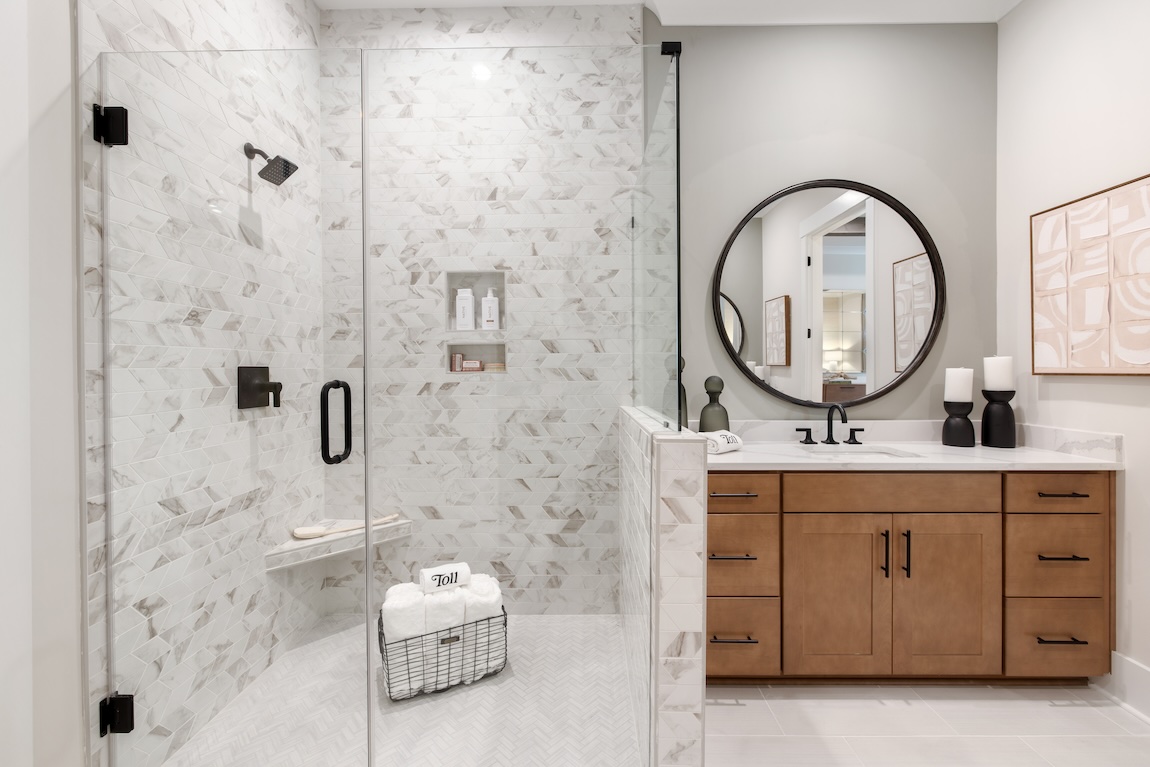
(998, 373)
(959, 385)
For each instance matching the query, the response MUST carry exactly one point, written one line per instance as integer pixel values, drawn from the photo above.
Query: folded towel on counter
(721, 441)
(444, 609)
(483, 598)
(403, 612)
(444, 577)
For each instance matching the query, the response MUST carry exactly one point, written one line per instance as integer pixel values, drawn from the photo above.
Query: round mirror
(841, 289)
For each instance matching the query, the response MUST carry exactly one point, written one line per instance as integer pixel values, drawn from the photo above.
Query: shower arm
(251, 152)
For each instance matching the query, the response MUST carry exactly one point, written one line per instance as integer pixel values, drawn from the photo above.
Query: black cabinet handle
(1071, 640)
(1071, 558)
(324, 421)
(748, 640)
(906, 567)
(740, 558)
(1063, 495)
(886, 548)
(734, 495)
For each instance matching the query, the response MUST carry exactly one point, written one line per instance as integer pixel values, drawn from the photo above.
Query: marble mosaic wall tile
(636, 453)
(680, 487)
(189, 25)
(492, 27)
(664, 499)
(209, 267)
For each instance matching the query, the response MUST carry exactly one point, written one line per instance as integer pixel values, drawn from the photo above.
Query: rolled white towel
(403, 612)
(444, 577)
(483, 598)
(721, 441)
(444, 610)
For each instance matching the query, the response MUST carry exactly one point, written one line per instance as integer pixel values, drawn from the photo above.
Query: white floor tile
(835, 711)
(1122, 751)
(727, 693)
(1133, 724)
(741, 717)
(946, 752)
(1019, 711)
(748, 751)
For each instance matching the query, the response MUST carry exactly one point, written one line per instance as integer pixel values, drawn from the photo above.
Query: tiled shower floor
(561, 701)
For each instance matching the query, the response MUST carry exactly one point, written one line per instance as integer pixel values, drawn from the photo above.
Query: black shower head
(277, 170)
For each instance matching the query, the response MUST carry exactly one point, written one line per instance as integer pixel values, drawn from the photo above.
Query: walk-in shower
(541, 181)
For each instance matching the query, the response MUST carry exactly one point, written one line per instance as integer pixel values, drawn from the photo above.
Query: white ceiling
(676, 13)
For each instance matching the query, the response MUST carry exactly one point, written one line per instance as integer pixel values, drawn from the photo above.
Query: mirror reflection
(854, 282)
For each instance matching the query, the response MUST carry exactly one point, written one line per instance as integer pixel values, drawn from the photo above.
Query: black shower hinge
(671, 49)
(808, 332)
(110, 125)
(117, 714)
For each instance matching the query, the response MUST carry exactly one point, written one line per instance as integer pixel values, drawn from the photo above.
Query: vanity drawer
(1075, 548)
(743, 637)
(742, 493)
(1062, 493)
(1075, 637)
(743, 555)
(892, 492)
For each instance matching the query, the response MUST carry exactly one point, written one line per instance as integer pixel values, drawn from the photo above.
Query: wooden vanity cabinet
(911, 592)
(1058, 607)
(743, 613)
(1010, 574)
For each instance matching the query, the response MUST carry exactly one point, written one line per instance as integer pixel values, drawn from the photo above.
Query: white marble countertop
(900, 456)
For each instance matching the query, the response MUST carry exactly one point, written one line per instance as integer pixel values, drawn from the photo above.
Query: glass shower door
(239, 643)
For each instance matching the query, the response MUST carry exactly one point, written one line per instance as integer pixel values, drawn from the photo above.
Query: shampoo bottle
(464, 310)
(490, 307)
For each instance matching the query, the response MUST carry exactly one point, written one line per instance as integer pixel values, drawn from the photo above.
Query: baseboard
(1128, 685)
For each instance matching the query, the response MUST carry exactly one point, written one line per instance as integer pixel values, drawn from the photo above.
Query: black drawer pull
(886, 547)
(1063, 495)
(748, 640)
(739, 558)
(734, 495)
(1071, 640)
(1071, 558)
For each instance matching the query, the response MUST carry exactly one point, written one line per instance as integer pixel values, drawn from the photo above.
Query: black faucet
(830, 440)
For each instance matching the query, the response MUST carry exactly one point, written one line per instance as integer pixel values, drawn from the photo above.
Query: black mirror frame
(739, 317)
(935, 266)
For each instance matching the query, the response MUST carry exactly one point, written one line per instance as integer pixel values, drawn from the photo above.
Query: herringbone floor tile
(561, 702)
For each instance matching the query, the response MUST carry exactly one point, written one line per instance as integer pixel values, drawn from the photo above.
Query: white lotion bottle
(464, 309)
(490, 308)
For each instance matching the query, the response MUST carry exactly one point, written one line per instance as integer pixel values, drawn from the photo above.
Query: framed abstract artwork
(913, 307)
(1090, 284)
(777, 331)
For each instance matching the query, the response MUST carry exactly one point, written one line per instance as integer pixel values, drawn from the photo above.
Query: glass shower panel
(509, 169)
(656, 249)
(240, 646)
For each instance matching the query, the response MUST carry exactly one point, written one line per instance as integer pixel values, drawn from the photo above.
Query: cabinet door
(948, 607)
(836, 594)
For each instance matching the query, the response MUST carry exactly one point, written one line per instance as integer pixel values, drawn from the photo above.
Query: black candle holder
(957, 430)
(998, 420)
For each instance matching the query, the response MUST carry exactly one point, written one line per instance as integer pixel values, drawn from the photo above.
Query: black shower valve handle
(275, 388)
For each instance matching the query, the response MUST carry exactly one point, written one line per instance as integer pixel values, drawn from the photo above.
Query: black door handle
(1063, 495)
(886, 547)
(1071, 558)
(324, 421)
(1071, 640)
(740, 558)
(748, 640)
(906, 567)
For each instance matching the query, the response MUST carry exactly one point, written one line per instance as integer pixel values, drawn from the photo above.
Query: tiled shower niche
(485, 351)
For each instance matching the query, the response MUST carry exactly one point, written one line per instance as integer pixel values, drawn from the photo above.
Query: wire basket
(442, 659)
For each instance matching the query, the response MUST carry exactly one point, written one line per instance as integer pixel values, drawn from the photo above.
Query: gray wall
(766, 107)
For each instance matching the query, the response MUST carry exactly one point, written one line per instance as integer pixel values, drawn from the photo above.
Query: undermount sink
(847, 451)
